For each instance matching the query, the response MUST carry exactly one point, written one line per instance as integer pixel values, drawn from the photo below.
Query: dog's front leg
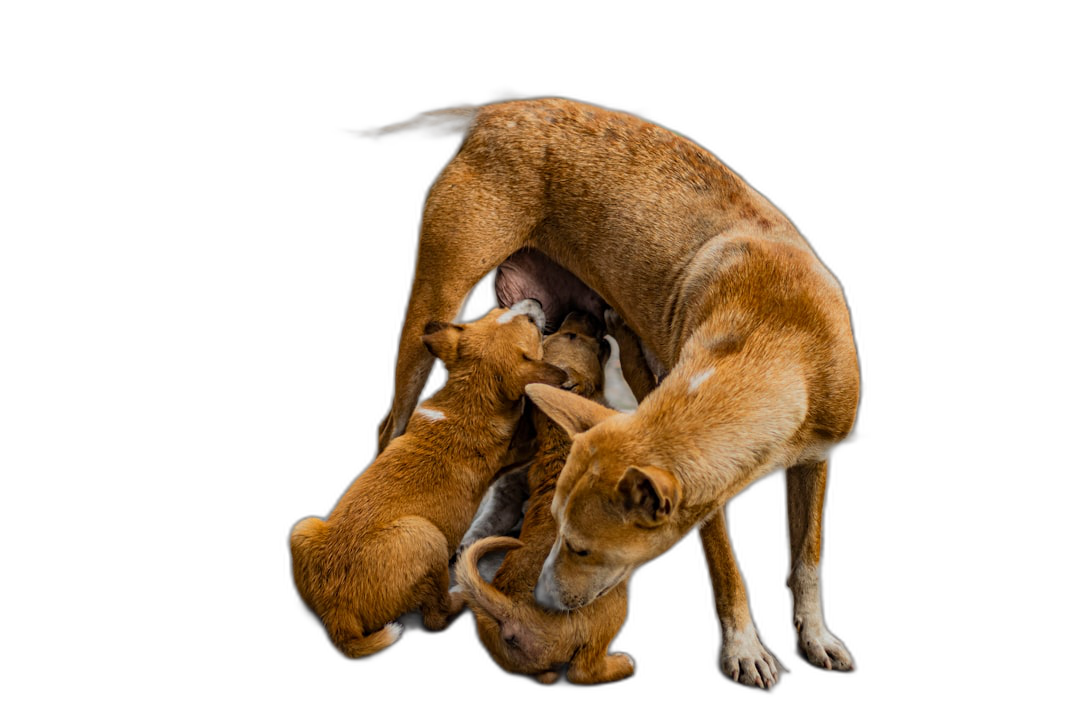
(743, 657)
(806, 501)
(469, 227)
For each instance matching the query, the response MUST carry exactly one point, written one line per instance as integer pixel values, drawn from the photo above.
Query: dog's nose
(540, 593)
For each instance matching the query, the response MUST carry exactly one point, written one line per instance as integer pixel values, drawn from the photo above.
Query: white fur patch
(395, 629)
(509, 315)
(696, 380)
(529, 307)
(431, 413)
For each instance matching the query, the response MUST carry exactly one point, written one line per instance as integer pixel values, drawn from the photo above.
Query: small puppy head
(613, 509)
(499, 354)
(579, 348)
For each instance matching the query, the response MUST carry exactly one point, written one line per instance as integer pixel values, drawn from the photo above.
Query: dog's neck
(698, 425)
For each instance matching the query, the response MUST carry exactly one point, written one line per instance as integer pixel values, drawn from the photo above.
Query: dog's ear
(441, 340)
(545, 373)
(649, 494)
(571, 412)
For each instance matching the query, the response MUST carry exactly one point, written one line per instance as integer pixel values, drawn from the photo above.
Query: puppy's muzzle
(529, 307)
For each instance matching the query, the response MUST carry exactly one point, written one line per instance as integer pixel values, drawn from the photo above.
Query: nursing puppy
(385, 549)
(521, 636)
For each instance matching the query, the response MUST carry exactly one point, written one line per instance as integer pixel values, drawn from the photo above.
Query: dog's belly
(531, 274)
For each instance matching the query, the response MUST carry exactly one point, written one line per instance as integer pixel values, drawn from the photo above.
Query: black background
(319, 266)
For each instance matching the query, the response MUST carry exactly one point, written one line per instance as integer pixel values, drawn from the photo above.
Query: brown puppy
(749, 330)
(385, 548)
(521, 636)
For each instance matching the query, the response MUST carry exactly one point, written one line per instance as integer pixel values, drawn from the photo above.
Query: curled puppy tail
(479, 593)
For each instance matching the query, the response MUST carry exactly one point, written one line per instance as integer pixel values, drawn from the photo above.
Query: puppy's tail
(449, 120)
(347, 634)
(479, 592)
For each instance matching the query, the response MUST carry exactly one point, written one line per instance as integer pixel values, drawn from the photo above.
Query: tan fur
(385, 548)
(521, 636)
(752, 331)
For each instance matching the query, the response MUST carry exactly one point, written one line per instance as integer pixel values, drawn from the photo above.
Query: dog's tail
(449, 120)
(478, 591)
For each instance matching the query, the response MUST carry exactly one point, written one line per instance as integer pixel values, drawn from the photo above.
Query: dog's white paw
(822, 648)
(745, 660)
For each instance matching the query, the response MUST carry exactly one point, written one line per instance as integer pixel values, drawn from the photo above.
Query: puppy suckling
(521, 636)
(385, 548)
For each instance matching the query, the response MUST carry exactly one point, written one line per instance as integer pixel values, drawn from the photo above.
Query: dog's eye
(579, 553)
(571, 336)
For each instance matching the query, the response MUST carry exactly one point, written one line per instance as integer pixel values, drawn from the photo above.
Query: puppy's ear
(441, 340)
(649, 494)
(605, 352)
(546, 373)
(573, 413)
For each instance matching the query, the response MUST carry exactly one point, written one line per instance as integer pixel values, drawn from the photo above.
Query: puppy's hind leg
(419, 549)
(806, 502)
(592, 665)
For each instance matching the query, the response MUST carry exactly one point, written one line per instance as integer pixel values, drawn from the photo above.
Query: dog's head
(499, 354)
(612, 507)
(578, 347)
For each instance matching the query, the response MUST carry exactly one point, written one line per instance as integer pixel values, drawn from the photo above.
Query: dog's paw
(823, 649)
(745, 660)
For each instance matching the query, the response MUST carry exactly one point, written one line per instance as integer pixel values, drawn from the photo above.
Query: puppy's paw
(823, 649)
(745, 660)
(470, 537)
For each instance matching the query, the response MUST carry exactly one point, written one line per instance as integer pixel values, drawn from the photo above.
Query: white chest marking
(431, 413)
(696, 380)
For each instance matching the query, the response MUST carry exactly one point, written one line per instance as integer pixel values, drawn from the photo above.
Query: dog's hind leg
(467, 230)
(743, 657)
(806, 501)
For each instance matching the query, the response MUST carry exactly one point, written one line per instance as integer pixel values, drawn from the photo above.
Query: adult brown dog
(385, 549)
(749, 330)
(521, 636)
